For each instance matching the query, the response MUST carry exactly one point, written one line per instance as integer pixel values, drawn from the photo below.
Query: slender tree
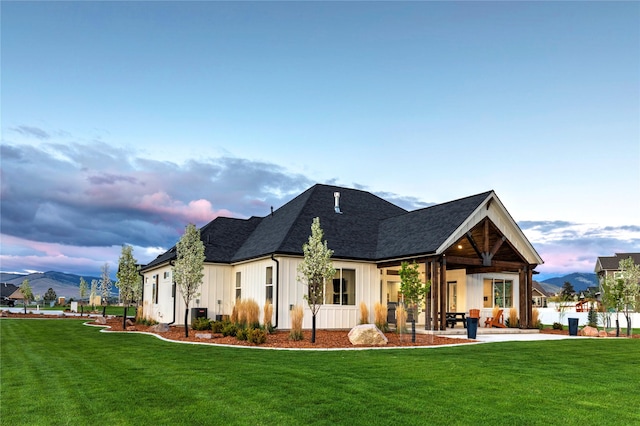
(27, 293)
(128, 279)
(413, 290)
(105, 287)
(187, 271)
(84, 288)
(315, 269)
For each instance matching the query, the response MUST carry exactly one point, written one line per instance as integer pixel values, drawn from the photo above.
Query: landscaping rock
(367, 334)
(131, 328)
(4, 314)
(129, 323)
(203, 335)
(101, 320)
(589, 331)
(602, 333)
(160, 328)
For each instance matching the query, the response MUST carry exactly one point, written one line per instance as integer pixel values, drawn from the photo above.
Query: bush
(512, 321)
(257, 336)
(201, 324)
(592, 317)
(242, 334)
(229, 329)
(557, 326)
(145, 321)
(218, 326)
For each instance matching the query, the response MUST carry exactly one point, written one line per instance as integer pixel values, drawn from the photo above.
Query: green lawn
(61, 372)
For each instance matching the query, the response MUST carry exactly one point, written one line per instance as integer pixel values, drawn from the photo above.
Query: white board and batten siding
(367, 289)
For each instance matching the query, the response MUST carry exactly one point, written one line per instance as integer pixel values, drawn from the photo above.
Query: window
(154, 292)
(238, 286)
(167, 274)
(269, 284)
(342, 289)
(498, 292)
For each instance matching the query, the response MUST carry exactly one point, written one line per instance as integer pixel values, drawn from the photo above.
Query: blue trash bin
(472, 327)
(573, 326)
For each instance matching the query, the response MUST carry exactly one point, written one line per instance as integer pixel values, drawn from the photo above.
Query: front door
(452, 296)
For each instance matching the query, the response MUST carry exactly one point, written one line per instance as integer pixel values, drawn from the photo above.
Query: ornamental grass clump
(535, 318)
(364, 313)
(380, 314)
(512, 321)
(268, 315)
(234, 313)
(401, 319)
(252, 313)
(296, 323)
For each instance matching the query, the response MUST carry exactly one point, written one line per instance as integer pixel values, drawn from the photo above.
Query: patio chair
(496, 320)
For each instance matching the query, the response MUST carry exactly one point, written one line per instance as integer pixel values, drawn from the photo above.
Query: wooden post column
(443, 293)
(522, 296)
(427, 299)
(530, 296)
(435, 301)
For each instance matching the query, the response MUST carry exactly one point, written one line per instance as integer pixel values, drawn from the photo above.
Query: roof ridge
(308, 193)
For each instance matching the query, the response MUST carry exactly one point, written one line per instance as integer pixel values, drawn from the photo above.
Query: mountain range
(579, 280)
(67, 285)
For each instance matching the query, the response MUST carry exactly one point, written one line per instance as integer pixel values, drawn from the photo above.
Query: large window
(342, 289)
(498, 293)
(238, 286)
(269, 284)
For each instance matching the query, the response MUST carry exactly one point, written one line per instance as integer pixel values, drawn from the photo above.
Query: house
(471, 250)
(6, 290)
(610, 265)
(539, 295)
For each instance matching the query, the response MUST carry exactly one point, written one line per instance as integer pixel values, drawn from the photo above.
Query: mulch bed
(325, 339)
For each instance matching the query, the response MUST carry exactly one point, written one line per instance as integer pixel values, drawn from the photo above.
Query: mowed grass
(62, 372)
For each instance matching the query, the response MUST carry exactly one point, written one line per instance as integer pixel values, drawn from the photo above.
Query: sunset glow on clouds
(417, 102)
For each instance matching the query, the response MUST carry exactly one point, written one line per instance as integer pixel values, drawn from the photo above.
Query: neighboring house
(471, 249)
(6, 290)
(610, 265)
(539, 295)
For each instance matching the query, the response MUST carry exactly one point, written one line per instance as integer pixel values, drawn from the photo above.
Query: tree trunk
(628, 325)
(81, 310)
(413, 329)
(186, 325)
(313, 328)
(617, 328)
(124, 319)
(104, 311)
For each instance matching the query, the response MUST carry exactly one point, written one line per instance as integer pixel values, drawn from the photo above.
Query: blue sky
(122, 121)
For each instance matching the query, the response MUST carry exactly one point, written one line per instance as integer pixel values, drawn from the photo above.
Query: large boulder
(101, 320)
(367, 334)
(589, 331)
(159, 328)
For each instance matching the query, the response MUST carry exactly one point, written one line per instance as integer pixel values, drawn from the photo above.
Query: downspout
(277, 287)
(173, 294)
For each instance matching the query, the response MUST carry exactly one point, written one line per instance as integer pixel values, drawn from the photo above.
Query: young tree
(629, 289)
(27, 293)
(94, 293)
(187, 271)
(50, 295)
(315, 270)
(128, 278)
(84, 288)
(413, 290)
(105, 287)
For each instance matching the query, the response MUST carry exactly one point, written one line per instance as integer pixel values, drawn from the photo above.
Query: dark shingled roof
(369, 228)
(423, 231)
(612, 263)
